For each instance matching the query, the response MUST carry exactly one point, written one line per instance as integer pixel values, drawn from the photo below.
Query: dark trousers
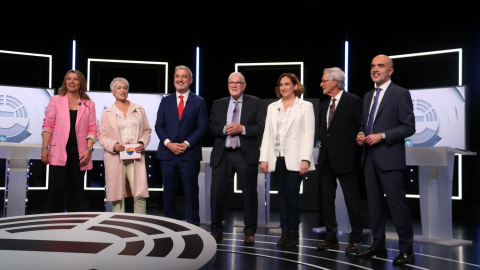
(390, 183)
(187, 172)
(328, 186)
(288, 185)
(232, 162)
(66, 184)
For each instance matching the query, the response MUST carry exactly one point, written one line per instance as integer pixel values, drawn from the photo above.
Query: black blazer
(252, 118)
(396, 119)
(339, 140)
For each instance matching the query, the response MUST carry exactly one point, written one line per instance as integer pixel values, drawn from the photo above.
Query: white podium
(435, 171)
(16, 186)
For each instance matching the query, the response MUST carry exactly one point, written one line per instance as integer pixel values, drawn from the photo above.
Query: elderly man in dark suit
(387, 120)
(237, 123)
(340, 121)
(181, 124)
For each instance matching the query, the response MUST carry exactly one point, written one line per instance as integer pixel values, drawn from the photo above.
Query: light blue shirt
(231, 106)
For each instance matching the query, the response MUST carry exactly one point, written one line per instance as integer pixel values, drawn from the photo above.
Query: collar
(385, 85)
(185, 95)
(240, 100)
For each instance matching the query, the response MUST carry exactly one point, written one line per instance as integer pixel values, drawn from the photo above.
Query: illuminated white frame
(346, 65)
(274, 64)
(235, 190)
(74, 54)
(197, 75)
(36, 55)
(460, 82)
(128, 62)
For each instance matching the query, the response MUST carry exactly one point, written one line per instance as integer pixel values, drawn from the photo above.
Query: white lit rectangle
(90, 60)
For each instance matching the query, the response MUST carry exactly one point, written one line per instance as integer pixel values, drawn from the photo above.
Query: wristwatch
(383, 136)
(90, 149)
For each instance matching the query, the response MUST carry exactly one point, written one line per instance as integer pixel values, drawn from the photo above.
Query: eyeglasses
(325, 81)
(235, 83)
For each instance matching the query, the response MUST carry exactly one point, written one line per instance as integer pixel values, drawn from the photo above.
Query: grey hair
(336, 73)
(237, 73)
(116, 80)
(184, 67)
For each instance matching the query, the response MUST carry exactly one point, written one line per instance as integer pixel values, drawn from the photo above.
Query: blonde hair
(62, 91)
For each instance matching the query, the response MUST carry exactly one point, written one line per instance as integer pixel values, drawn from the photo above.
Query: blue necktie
(371, 116)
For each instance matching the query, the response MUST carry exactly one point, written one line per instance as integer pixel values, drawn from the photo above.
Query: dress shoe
(283, 239)
(249, 239)
(328, 244)
(218, 237)
(352, 248)
(370, 252)
(292, 240)
(404, 258)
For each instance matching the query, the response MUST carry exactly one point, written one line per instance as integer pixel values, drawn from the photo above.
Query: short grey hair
(336, 73)
(184, 67)
(237, 73)
(116, 80)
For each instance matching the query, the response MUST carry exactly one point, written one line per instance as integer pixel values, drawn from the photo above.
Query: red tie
(180, 107)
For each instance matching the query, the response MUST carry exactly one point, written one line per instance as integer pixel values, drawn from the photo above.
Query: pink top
(57, 122)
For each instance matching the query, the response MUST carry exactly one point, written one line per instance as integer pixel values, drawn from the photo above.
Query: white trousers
(139, 204)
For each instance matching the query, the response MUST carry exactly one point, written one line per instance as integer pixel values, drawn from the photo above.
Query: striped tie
(331, 111)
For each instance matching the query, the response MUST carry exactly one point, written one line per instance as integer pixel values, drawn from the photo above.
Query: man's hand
(177, 148)
(233, 129)
(360, 139)
(373, 139)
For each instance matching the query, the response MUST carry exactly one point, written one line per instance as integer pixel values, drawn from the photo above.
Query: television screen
(440, 117)
(22, 110)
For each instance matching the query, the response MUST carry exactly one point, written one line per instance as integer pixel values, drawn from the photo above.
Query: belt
(232, 149)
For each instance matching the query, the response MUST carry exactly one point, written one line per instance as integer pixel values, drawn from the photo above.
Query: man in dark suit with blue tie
(181, 124)
(237, 123)
(339, 157)
(387, 120)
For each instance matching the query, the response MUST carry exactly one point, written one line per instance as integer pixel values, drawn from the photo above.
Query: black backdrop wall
(313, 32)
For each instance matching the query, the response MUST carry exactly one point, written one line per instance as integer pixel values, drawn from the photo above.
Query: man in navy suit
(339, 157)
(387, 120)
(237, 123)
(180, 126)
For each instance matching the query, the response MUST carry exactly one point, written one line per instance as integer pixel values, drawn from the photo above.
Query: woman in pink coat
(69, 131)
(124, 123)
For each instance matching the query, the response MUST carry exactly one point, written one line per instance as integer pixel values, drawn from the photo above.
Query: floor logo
(103, 241)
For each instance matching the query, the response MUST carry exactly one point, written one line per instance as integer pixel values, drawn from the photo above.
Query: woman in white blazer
(286, 151)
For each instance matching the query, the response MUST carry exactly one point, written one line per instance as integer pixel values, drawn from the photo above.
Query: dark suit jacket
(396, 119)
(191, 127)
(340, 138)
(252, 118)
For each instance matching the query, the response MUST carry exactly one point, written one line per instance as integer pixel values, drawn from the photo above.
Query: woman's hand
(304, 167)
(85, 158)
(118, 148)
(140, 148)
(264, 166)
(45, 156)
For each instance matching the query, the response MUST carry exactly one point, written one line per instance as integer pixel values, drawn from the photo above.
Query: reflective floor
(264, 254)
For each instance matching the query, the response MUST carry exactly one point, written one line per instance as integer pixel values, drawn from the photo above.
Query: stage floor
(264, 254)
(233, 254)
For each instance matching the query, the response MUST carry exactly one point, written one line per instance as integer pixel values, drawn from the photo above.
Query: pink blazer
(108, 135)
(57, 122)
